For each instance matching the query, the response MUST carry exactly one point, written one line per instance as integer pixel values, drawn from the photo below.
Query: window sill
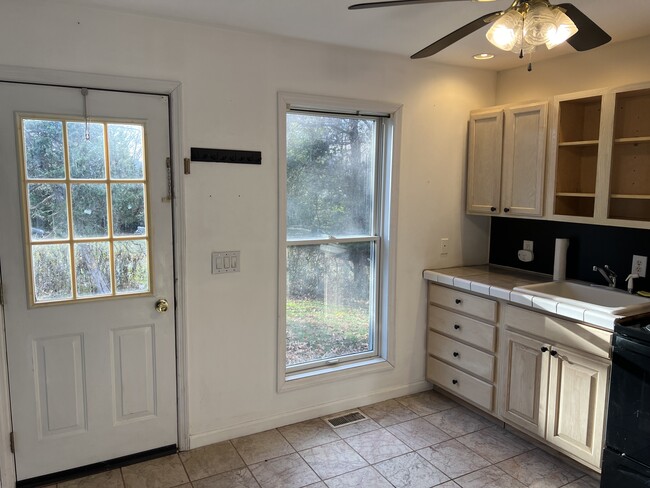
(329, 374)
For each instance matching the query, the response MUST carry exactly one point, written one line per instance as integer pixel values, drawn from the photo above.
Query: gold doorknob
(162, 305)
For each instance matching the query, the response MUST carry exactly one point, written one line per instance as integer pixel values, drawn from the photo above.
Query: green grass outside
(315, 331)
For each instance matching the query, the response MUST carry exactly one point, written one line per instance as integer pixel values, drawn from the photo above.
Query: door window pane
(87, 160)
(329, 301)
(330, 176)
(51, 268)
(93, 269)
(107, 252)
(131, 266)
(43, 154)
(128, 209)
(126, 151)
(48, 211)
(89, 210)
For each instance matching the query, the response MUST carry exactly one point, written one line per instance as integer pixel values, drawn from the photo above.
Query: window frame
(388, 116)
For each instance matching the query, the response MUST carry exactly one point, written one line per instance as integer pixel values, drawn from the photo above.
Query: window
(335, 273)
(85, 194)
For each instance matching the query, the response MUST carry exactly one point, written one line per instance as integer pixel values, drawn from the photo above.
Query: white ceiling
(401, 30)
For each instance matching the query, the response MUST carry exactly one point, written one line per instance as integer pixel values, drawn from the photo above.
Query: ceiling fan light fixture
(539, 24)
(506, 31)
(565, 28)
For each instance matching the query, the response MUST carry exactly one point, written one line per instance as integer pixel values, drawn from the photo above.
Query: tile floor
(417, 441)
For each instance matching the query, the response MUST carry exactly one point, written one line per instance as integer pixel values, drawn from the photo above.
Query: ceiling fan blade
(589, 35)
(394, 3)
(457, 35)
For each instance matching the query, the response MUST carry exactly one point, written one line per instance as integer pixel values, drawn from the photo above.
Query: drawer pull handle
(553, 353)
(456, 354)
(493, 209)
(544, 349)
(456, 326)
(455, 382)
(458, 301)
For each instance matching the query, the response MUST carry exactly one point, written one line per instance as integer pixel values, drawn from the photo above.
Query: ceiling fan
(520, 28)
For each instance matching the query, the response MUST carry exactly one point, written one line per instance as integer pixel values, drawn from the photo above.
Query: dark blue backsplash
(589, 245)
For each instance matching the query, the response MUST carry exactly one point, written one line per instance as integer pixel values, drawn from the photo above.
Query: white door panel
(90, 380)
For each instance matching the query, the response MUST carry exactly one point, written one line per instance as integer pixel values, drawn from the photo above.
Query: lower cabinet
(556, 393)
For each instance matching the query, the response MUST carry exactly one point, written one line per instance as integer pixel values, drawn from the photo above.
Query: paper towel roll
(559, 263)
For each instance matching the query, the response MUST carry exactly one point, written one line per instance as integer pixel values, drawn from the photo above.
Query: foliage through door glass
(86, 203)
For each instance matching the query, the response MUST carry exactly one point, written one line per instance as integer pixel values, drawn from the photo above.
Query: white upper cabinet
(506, 155)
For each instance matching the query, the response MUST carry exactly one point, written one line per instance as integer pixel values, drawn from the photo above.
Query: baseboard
(267, 423)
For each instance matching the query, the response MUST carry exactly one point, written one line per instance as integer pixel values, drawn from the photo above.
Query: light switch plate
(225, 262)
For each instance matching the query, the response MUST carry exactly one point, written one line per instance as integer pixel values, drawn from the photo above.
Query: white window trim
(385, 359)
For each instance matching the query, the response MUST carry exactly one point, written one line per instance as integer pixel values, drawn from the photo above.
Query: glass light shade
(539, 25)
(505, 31)
(565, 28)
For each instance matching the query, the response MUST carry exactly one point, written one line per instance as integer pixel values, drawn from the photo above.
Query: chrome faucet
(608, 274)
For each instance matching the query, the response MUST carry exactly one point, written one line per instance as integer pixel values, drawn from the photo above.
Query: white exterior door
(86, 253)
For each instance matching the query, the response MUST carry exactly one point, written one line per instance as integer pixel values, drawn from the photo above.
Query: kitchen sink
(591, 297)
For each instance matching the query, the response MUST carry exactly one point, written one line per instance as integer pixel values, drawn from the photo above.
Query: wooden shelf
(629, 197)
(632, 140)
(579, 143)
(577, 195)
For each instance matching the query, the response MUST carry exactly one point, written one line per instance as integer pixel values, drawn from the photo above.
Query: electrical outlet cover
(639, 264)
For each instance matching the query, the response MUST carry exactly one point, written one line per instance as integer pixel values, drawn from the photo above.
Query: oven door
(628, 419)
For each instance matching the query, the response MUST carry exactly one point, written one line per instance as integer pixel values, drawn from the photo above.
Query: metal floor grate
(346, 419)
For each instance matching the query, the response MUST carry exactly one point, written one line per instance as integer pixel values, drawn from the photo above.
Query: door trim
(172, 89)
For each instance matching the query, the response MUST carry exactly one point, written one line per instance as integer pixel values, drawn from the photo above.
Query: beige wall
(230, 82)
(607, 66)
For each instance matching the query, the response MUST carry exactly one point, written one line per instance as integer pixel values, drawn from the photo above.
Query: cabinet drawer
(462, 328)
(557, 331)
(482, 308)
(462, 384)
(461, 355)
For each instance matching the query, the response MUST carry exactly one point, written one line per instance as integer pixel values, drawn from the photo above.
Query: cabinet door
(484, 162)
(577, 404)
(525, 377)
(524, 155)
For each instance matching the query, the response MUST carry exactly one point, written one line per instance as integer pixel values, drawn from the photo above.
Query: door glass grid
(85, 193)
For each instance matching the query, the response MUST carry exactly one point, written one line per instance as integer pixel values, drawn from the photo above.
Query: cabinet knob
(456, 326)
(553, 353)
(455, 382)
(544, 349)
(506, 210)
(493, 209)
(456, 354)
(458, 301)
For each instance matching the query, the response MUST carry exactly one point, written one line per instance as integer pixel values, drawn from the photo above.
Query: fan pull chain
(84, 93)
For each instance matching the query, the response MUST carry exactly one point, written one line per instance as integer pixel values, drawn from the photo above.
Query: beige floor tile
(539, 470)
(377, 445)
(308, 434)
(320, 484)
(238, 478)
(364, 477)
(410, 471)
(427, 402)
(333, 459)
(448, 484)
(109, 479)
(490, 477)
(388, 413)
(284, 472)
(165, 472)
(458, 421)
(453, 458)
(418, 433)
(495, 444)
(260, 447)
(357, 428)
(211, 460)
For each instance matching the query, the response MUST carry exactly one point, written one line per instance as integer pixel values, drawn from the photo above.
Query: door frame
(172, 89)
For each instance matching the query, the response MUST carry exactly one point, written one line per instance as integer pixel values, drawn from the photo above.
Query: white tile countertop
(498, 282)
